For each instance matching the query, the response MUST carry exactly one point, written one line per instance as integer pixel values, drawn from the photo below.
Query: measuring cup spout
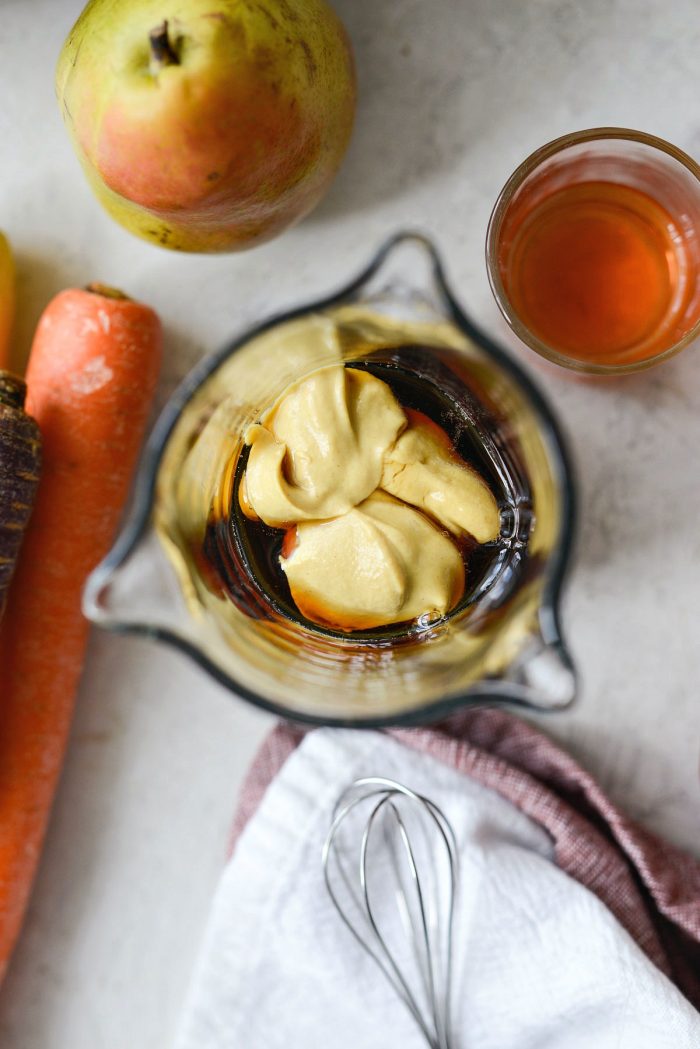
(544, 677)
(137, 591)
(406, 270)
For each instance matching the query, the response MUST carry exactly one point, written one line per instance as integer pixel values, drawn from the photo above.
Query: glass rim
(503, 200)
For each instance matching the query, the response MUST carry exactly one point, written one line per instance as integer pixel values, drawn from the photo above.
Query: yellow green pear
(208, 125)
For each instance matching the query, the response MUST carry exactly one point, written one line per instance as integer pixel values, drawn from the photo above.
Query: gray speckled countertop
(454, 93)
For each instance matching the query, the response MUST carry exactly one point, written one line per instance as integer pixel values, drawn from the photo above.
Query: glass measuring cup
(181, 570)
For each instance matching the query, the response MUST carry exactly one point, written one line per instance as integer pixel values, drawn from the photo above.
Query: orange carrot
(91, 377)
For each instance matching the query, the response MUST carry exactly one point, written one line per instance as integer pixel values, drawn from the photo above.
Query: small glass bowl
(619, 155)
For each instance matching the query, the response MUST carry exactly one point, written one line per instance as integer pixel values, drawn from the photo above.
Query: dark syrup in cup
(242, 556)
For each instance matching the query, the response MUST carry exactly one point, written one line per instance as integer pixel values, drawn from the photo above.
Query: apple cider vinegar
(598, 271)
(593, 250)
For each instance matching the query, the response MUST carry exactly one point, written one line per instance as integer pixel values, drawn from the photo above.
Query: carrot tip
(13, 390)
(104, 289)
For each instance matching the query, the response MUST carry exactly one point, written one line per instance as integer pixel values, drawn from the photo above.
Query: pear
(208, 125)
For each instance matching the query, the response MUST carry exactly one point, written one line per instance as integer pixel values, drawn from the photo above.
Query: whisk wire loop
(410, 843)
(393, 977)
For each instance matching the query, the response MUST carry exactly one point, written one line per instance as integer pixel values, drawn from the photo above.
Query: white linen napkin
(541, 963)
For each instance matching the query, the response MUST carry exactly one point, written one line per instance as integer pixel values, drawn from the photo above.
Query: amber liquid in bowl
(598, 270)
(244, 554)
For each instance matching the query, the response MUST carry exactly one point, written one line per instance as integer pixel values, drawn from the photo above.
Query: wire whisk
(390, 866)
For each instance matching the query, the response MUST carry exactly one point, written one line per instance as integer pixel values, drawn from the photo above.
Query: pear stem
(162, 51)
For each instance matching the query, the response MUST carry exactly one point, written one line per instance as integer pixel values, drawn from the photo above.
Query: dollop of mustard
(422, 471)
(371, 491)
(382, 562)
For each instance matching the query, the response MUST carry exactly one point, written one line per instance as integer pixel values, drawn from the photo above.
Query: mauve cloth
(651, 887)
